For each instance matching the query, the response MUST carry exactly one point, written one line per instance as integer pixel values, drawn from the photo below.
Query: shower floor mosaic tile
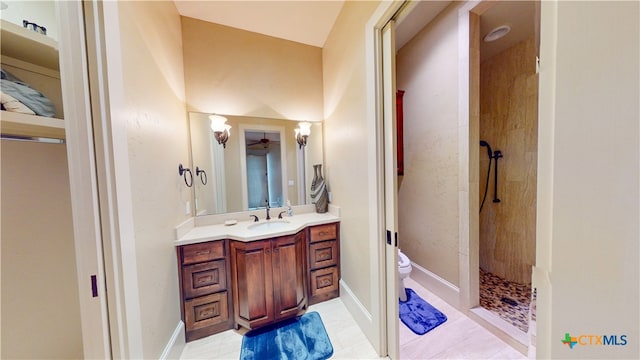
(507, 299)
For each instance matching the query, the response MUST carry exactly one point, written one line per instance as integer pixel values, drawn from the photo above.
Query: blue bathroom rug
(419, 316)
(301, 338)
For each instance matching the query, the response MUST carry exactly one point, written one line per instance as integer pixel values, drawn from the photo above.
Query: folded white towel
(11, 104)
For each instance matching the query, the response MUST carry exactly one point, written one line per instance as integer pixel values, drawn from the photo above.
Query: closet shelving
(33, 58)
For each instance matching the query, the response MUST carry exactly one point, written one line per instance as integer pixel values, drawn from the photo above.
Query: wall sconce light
(220, 129)
(302, 133)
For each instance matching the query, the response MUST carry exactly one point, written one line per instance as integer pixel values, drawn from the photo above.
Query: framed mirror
(260, 161)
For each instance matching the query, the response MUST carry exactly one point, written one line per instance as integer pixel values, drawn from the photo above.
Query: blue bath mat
(301, 338)
(419, 315)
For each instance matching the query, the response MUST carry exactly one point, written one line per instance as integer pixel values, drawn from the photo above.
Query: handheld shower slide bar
(492, 155)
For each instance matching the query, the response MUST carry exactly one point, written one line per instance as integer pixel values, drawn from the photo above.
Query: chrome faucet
(267, 202)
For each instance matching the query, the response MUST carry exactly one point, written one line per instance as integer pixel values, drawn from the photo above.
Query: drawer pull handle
(323, 256)
(323, 233)
(200, 253)
(267, 252)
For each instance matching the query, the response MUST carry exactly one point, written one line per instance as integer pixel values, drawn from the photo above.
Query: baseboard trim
(437, 285)
(174, 347)
(360, 314)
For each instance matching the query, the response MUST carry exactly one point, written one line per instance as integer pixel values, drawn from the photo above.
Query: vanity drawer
(322, 232)
(324, 282)
(204, 278)
(206, 311)
(196, 253)
(323, 254)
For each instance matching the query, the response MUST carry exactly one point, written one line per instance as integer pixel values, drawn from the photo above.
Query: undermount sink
(269, 225)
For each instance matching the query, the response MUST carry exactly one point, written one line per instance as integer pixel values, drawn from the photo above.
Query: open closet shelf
(17, 124)
(35, 59)
(29, 46)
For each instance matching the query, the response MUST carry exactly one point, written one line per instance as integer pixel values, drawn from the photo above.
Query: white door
(390, 185)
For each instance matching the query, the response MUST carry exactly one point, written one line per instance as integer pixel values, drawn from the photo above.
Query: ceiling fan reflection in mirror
(263, 142)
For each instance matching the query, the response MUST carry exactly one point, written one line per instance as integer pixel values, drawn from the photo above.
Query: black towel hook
(200, 173)
(183, 172)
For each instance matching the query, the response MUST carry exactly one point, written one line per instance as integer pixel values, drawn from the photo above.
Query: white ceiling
(421, 14)
(519, 15)
(310, 21)
(304, 21)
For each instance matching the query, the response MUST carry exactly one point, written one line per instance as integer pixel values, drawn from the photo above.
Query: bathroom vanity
(252, 274)
(269, 279)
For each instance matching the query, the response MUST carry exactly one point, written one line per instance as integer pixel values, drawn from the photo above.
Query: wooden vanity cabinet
(205, 297)
(269, 279)
(324, 262)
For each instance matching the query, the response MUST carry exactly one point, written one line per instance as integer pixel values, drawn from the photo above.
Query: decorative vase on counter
(319, 195)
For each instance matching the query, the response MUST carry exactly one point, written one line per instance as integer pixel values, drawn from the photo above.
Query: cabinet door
(252, 283)
(289, 275)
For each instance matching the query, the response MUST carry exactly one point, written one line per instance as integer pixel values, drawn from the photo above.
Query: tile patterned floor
(457, 338)
(346, 337)
(507, 299)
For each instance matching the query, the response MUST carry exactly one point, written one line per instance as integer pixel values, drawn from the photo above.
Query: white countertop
(241, 231)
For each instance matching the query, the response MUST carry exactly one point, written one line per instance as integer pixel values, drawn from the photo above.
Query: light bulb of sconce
(218, 123)
(305, 128)
(302, 133)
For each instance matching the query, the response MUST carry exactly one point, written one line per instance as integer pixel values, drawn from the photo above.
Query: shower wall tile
(513, 150)
(531, 117)
(509, 122)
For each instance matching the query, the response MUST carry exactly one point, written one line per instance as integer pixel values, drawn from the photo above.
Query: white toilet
(404, 270)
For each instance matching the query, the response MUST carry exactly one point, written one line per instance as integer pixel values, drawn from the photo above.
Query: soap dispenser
(289, 210)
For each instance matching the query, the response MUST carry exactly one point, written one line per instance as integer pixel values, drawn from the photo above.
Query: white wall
(42, 13)
(148, 101)
(588, 252)
(428, 193)
(346, 144)
(40, 303)
(236, 72)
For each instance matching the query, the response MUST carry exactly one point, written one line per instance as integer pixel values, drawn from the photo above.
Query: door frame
(94, 315)
(99, 178)
(383, 272)
(389, 125)
(468, 106)
(242, 145)
(469, 133)
(114, 186)
(470, 15)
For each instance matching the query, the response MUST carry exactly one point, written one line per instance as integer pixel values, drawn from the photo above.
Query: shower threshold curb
(505, 331)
